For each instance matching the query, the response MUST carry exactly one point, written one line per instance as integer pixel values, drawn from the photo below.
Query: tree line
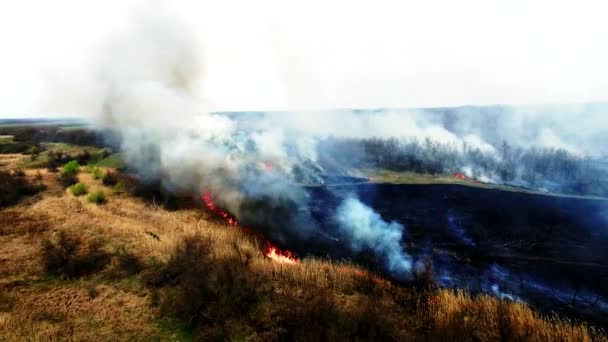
(552, 169)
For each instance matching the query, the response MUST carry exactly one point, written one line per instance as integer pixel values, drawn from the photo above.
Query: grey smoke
(363, 228)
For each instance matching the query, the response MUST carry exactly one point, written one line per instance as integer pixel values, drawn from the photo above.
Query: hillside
(130, 269)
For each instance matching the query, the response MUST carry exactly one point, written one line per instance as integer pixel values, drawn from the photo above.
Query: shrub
(67, 179)
(79, 189)
(72, 167)
(97, 173)
(14, 186)
(118, 188)
(129, 263)
(83, 157)
(52, 162)
(98, 197)
(109, 179)
(198, 288)
(69, 256)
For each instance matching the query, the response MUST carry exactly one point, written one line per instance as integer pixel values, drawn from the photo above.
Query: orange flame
(211, 206)
(284, 257)
(271, 252)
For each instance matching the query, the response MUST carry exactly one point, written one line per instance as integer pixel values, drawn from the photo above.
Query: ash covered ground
(538, 249)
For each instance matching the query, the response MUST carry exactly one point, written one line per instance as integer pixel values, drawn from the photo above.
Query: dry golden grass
(10, 162)
(94, 308)
(487, 318)
(67, 311)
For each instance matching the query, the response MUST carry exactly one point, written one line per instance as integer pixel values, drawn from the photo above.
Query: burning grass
(166, 272)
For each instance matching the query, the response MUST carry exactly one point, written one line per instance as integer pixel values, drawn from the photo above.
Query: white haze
(273, 54)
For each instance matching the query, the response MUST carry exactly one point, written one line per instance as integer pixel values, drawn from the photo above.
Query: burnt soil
(548, 251)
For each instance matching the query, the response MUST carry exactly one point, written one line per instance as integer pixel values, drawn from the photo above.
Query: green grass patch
(114, 160)
(6, 139)
(41, 160)
(79, 189)
(73, 127)
(395, 177)
(97, 173)
(174, 330)
(97, 197)
(118, 188)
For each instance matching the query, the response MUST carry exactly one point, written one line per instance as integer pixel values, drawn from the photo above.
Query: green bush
(71, 168)
(79, 189)
(98, 197)
(67, 179)
(97, 173)
(118, 188)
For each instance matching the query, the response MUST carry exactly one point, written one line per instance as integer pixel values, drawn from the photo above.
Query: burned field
(548, 251)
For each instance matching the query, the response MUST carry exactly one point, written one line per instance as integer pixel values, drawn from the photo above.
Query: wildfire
(211, 206)
(284, 257)
(272, 252)
(463, 177)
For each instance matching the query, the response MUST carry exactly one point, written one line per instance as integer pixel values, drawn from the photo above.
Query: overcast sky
(323, 54)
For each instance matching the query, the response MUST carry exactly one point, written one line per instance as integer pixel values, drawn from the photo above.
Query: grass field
(114, 160)
(40, 160)
(39, 122)
(6, 139)
(393, 177)
(197, 278)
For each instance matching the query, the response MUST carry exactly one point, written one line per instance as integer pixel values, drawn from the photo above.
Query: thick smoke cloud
(148, 88)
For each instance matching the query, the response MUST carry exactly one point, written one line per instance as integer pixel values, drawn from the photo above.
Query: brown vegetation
(130, 270)
(15, 186)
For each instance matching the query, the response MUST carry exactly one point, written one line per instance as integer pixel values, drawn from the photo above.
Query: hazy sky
(277, 54)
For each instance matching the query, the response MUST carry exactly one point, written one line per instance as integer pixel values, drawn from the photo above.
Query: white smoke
(363, 228)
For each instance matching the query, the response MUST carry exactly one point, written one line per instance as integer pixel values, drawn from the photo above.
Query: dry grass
(104, 306)
(67, 312)
(487, 318)
(9, 162)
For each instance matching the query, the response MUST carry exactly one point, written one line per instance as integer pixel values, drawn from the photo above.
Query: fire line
(272, 252)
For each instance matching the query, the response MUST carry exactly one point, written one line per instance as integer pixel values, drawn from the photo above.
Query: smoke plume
(364, 228)
(149, 88)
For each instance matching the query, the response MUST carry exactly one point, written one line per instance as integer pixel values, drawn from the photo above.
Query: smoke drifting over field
(148, 88)
(364, 228)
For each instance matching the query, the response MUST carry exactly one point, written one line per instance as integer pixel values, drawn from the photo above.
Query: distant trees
(78, 136)
(549, 168)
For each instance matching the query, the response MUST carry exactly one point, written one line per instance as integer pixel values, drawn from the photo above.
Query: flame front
(211, 206)
(284, 257)
(272, 252)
